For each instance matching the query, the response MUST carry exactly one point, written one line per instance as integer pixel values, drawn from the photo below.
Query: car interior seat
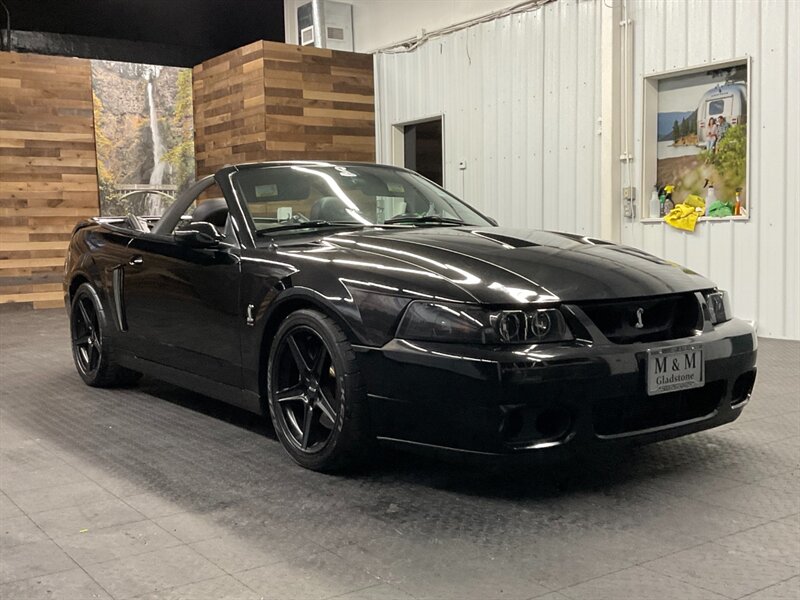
(329, 208)
(213, 210)
(137, 223)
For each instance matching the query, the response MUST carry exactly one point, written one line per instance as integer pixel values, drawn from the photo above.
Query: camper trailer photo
(728, 101)
(702, 138)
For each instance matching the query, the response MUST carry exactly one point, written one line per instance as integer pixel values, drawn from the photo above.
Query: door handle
(135, 261)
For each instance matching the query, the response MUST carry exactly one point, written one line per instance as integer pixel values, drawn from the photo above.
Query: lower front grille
(743, 388)
(646, 319)
(619, 416)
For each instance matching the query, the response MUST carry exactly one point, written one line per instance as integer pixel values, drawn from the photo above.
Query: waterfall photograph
(147, 111)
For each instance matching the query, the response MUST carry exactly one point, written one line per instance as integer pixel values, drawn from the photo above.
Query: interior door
(423, 150)
(182, 306)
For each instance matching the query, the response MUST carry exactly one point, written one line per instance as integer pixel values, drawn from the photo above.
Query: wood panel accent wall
(273, 101)
(48, 171)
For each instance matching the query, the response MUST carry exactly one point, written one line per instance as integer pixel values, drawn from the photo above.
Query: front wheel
(316, 400)
(91, 350)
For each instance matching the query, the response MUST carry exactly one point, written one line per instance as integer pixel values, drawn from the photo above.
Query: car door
(182, 305)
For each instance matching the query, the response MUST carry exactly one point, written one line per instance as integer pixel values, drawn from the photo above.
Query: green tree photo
(180, 156)
(730, 159)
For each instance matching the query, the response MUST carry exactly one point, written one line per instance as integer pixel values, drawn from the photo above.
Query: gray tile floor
(155, 492)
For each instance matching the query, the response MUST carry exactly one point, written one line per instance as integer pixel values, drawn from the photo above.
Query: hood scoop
(506, 241)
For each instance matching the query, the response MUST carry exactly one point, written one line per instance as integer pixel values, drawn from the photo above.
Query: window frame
(649, 136)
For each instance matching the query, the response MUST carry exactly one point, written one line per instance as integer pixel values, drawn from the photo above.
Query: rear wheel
(316, 400)
(91, 350)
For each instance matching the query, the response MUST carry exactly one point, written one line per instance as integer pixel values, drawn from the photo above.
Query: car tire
(318, 405)
(91, 346)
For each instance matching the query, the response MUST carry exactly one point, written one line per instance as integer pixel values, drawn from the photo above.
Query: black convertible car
(360, 303)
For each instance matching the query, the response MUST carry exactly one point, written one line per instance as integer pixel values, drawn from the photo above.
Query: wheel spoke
(308, 415)
(299, 359)
(85, 314)
(319, 361)
(82, 341)
(291, 420)
(325, 406)
(290, 394)
(94, 357)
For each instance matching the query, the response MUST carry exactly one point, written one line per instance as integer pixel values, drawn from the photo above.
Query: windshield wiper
(425, 219)
(307, 225)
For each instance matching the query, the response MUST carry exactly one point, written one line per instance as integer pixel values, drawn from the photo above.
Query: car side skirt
(244, 399)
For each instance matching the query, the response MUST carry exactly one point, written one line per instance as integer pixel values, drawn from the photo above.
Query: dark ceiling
(191, 29)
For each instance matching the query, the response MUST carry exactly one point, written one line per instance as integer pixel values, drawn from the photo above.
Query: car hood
(495, 265)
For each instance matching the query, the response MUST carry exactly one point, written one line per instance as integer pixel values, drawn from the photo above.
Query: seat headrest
(213, 210)
(329, 208)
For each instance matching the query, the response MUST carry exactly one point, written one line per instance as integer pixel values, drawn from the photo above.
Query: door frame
(398, 141)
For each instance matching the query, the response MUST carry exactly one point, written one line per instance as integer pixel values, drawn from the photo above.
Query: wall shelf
(651, 220)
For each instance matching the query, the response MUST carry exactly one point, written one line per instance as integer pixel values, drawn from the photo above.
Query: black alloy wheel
(316, 403)
(305, 390)
(91, 349)
(86, 344)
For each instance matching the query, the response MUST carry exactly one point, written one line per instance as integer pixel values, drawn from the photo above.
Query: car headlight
(719, 306)
(449, 322)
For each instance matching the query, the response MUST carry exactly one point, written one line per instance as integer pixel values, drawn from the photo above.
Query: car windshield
(279, 197)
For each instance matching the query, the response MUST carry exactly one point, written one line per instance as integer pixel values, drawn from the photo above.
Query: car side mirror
(199, 234)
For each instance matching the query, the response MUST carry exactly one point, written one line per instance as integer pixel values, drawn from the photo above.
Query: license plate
(673, 369)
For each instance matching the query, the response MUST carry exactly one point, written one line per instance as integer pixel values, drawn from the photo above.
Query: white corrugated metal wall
(757, 260)
(525, 121)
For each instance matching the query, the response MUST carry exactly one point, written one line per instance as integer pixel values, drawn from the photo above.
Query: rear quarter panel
(94, 252)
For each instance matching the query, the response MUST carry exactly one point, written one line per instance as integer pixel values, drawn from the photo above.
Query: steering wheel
(403, 216)
(410, 215)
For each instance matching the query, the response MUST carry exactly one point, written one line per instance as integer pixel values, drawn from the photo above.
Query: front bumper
(549, 398)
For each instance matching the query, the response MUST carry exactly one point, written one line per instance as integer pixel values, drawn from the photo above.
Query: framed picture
(144, 135)
(696, 138)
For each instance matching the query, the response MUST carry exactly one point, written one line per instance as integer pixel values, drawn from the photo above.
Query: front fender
(366, 320)
(273, 306)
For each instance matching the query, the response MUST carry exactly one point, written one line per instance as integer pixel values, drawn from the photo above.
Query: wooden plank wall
(273, 101)
(48, 172)
(228, 98)
(264, 101)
